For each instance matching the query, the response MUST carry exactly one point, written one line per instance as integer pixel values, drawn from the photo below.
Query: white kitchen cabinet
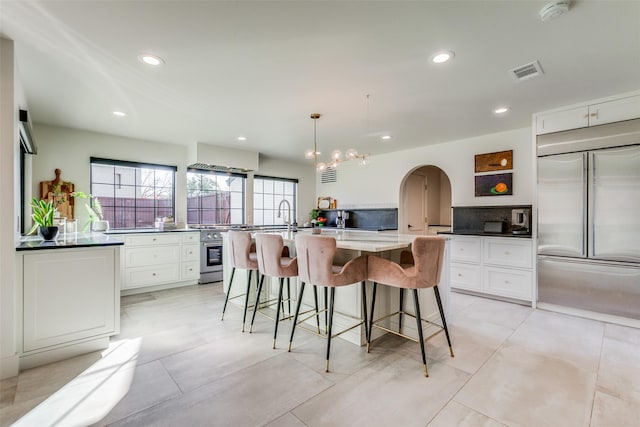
(497, 266)
(589, 115)
(70, 302)
(160, 260)
(466, 276)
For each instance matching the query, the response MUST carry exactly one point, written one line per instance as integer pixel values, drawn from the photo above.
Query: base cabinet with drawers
(163, 258)
(497, 266)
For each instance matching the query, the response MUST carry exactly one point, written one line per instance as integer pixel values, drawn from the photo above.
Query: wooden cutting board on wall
(60, 192)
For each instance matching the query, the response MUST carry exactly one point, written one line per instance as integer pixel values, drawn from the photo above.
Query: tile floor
(176, 363)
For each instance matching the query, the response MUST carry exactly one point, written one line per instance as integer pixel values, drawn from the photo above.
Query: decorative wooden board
(489, 162)
(60, 192)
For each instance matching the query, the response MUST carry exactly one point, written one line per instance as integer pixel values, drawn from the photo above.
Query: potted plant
(96, 217)
(43, 214)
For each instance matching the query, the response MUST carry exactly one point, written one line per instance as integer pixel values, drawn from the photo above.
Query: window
(215, 197)
(132, 194)
(268, 192)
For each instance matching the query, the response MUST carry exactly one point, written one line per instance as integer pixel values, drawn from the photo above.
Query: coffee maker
(341, 221)
(520, 221)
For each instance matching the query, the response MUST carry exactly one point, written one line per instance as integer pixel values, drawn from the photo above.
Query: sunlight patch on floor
(90, 396)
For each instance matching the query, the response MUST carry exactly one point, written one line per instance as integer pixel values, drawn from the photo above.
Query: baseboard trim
(9, 366)
(593, 315)
(145, 289)
(28, 361)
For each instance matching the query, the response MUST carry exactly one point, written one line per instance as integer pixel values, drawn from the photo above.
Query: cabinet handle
(154, 239)
(154, 274)
(459, 274)
(506, 282)
(594, 114)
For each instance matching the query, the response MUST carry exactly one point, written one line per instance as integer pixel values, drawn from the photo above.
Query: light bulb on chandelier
(336, 155)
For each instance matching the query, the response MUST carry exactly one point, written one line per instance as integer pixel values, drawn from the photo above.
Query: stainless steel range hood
(215, 158)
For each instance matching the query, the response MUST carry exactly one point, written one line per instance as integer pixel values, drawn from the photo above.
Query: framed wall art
(491, 162)
(500, 184)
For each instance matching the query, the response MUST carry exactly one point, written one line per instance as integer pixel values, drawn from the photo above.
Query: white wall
(9, 159)
(378, 184)
(70, 150)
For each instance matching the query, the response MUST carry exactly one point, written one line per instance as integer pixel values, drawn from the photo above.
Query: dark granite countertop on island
(79, 240)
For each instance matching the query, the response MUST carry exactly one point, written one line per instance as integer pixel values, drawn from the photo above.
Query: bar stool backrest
(269, 248)
(240, 247)
(315, 258)
(428, 255)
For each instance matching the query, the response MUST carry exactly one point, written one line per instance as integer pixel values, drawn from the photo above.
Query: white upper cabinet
(614, 111)
(562, 120)
(589, 115)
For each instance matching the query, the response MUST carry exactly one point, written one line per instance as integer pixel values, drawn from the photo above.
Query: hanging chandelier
(336, 155)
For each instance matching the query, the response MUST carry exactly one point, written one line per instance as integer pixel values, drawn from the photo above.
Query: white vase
(100, 225)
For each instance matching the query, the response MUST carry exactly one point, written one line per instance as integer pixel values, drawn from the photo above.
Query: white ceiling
(259, 69)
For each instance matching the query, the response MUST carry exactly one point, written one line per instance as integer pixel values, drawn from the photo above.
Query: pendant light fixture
(336, 155)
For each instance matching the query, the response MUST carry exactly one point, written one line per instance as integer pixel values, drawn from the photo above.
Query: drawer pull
(506, 282)
(154, 239)
(154, 274)
(459, 274)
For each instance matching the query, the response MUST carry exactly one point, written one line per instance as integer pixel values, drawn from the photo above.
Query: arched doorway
(425, 201)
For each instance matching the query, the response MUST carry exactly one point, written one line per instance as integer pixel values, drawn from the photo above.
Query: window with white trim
(268, 193)
(215, 197)
(133, 194)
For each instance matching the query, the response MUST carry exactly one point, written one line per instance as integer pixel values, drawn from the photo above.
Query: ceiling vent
(527, 71)
(329, 175)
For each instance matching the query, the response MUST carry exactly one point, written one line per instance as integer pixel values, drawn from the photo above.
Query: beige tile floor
(175, 363)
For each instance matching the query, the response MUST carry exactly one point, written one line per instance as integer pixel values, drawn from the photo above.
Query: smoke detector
(554, 9)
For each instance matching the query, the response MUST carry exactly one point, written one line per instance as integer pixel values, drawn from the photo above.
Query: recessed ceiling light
(242, 138)
(442, 56)
(151, 59)
(501, 110)
(119, 113)
(385, 137)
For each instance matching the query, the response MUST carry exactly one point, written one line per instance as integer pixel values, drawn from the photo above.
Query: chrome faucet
(288, 222)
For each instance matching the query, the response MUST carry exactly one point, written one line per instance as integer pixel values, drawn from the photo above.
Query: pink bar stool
(423, 272)
(272, 263)
(315, 266)
(242, 255)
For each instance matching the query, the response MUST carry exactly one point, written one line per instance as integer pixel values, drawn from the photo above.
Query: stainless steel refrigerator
(589, 219)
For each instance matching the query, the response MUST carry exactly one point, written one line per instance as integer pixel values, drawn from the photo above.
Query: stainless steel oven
(211, 257)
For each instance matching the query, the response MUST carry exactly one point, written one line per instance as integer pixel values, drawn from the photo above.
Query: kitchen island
(351, 244)
(69, 296)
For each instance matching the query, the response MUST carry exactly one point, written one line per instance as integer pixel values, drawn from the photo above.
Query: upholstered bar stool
(315, 266)
(242, 255)
(423, 272)
(272, 263)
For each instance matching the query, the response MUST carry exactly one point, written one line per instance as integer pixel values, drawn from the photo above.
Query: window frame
(137, 165)
(294, 207)
(216, 173)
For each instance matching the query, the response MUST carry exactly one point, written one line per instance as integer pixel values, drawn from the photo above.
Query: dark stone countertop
(149, 230)
(67, 241)
(481, 233)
